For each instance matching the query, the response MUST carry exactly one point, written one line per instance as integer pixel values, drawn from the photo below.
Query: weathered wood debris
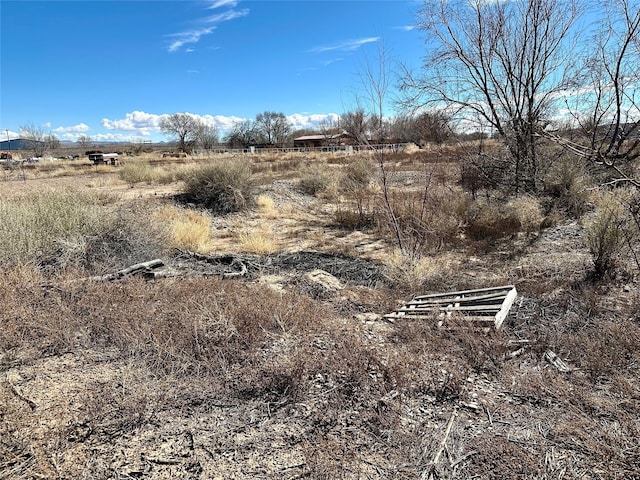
(144, 268)
(484, 307)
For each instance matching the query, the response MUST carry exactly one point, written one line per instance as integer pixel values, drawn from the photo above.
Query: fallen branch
(226, 260)
(138, 268)
(15, 391)
(463, 458)
(556, 361)
(428, 474)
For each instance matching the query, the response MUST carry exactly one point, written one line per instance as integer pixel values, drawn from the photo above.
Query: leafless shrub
(123, 238)
(33, 224)
(500, 458)
(314, 179)
(352, 219)
(566, 183)
(483, 351)
(356, 184)
(610, 231)
(221, 187)
(489, 221)
(427, 221)
(603, 349)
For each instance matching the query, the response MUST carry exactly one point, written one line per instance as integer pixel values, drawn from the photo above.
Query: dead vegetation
(259, 350)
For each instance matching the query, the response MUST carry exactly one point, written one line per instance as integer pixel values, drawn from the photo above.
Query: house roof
(319, 137)
(18, 144)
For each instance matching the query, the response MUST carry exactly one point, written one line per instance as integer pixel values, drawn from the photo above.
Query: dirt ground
(519, 417)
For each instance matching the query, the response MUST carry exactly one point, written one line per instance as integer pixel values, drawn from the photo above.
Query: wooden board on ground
(484, 307)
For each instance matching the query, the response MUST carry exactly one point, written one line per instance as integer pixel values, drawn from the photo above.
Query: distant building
(18, 144)
(315, 141)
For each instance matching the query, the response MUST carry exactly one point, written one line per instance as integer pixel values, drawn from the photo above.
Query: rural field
(257, 345)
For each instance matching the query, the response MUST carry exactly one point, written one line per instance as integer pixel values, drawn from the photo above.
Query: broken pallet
(482, 307)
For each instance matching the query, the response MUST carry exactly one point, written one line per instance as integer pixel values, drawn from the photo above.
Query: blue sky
(111, 69)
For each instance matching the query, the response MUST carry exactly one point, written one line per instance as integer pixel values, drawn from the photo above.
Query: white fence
(386, 147)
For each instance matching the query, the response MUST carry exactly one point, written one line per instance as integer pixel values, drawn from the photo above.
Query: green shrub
(221, 187)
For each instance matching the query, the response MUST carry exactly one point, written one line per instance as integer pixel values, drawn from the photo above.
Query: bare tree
(184, 127)
(37, 140)
(208, 136)
(375, 80)
(607, 107)
(504, 63)
(356, 124)
(273, 127)
(84, 141)
(330, 128)
(242, 135)
(421, 128)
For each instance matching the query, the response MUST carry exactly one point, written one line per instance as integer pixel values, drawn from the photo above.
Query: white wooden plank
(506, 306)
(464, 292)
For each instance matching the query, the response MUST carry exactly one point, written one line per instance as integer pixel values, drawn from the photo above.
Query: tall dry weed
(140, 172)
(189, 229)
(611, 231)
(416, 273)
(259, 240)
(222, 187)
(31, 225)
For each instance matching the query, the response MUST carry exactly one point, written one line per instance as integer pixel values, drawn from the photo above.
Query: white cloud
(190, 36)
(116, 137)
(407, 28)
(206, 26)
(143, 124)
(299, 121)
(346, 46)
(223, 3)
(223, 122)
(8, 133)
(334, 60)
(140, 122)
(81, 127)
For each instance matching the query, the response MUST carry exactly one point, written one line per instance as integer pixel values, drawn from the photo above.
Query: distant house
(315, 141)
(18, 144)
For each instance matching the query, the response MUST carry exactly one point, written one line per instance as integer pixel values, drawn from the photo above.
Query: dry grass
(31, 225)
(267, 207)
(139, 172)
(415, 274)
(611, 230)
(260, 240)
(190, 229)
(199, 377)
(222, 187)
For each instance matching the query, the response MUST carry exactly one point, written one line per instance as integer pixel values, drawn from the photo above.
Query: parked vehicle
(105, 158)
